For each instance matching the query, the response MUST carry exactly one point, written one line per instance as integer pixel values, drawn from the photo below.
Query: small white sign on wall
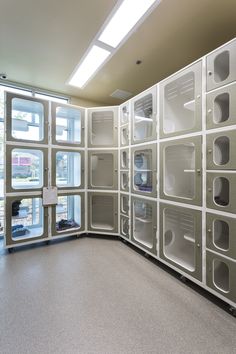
(50, 196)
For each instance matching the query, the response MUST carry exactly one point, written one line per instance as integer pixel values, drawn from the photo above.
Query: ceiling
(42, 41)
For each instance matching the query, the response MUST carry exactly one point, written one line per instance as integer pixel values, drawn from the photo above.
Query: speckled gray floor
(99, 296)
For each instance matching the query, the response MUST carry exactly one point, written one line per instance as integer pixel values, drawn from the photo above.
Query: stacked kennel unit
(44, 170)
(125, 173)
(180, 144)
(158, 171)
(221, 171)
(195, 172)
(103, 177)
(138, 167)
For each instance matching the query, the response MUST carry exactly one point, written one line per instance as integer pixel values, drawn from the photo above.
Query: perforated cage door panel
(144, 223)
(144, 117)
(180, 238)
(181, 102)
(181, 170)
(103, 127)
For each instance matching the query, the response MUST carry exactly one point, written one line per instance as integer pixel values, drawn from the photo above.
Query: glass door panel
(68, 169)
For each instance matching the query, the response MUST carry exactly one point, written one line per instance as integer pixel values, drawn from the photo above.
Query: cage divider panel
(221, 107)
(220, 149)
(181, 238)
(221, 66)
(70, 213)
(220, 275)
(221, 191)
(68, 123)
(102, 124)
(30, 113)
(26, 219)
(181, 102)
(220, 234)
(181, 170)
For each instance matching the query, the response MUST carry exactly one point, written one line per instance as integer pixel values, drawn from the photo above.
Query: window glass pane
(27, 218)
(27, 119)
(27, 168)
(68, 125)
(68, 169)
(68, 212)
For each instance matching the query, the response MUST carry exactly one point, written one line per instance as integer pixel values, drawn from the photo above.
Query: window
(25, 92)
(51, 98)
(27, 119)
(68, 167)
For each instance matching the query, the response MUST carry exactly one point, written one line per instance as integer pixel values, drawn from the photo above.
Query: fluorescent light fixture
(90, 64)
(124, 19)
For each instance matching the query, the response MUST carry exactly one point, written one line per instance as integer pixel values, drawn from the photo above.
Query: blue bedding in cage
(19, 230)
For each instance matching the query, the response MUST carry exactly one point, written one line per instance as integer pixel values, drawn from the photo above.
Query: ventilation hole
(221, 191)
(221, 275)
(124, 180)
(221, 67)
(221, 234)
(124, 159)
(221, 150)
(125, 205)
(221, 108)
(168, 237)
(124, 137)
